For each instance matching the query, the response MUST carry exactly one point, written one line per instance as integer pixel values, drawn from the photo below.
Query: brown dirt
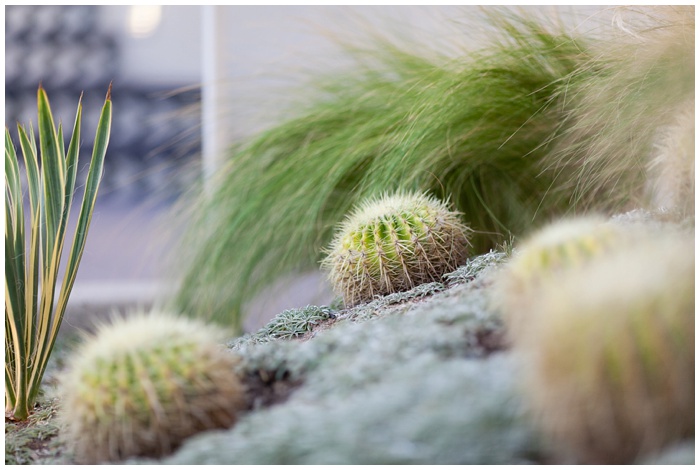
(264, 388)
(492, 340)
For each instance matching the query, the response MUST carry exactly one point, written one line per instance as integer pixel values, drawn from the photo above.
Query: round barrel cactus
(394, 243)
(562, 245)
(612, 353)
(144, 383)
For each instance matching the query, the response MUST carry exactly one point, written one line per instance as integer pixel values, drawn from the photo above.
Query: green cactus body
(145, 383)
(394, 243)
(563, 245)
(612, 353)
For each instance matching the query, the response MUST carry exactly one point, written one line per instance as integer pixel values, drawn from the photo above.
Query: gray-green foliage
(474, 266)
(418, 381)
(472, 130)
(295, 322)
(291, 323)
(370, 309)
(449, 325)
(35, 440)
(426, 411)
(452, 326)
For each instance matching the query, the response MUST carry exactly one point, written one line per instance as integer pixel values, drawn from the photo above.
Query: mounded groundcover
(421, 377)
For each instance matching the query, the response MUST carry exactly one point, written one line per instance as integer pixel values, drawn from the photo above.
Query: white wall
(265, 49)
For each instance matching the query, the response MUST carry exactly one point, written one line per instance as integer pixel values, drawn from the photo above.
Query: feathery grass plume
(473, 129)
(672, 168)
(637, 82)
(394, 243)
(610, 357)
(143, 384)
(560, 246)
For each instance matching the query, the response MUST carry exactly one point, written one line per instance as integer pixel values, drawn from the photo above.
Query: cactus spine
(143, 384)
(394, 243)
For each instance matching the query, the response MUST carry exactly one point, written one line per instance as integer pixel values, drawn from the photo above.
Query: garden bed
(421, 377)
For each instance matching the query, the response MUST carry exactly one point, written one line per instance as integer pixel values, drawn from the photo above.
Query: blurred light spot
(143, 20)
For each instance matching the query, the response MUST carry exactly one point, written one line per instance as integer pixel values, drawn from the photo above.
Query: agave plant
(33, 314)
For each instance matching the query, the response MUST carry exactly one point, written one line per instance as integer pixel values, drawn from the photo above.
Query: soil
(264, 389)
(492, 341)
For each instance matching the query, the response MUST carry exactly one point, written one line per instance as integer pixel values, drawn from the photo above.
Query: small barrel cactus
(394, 243)
(612, 352)
(143, 384)
(562, 245)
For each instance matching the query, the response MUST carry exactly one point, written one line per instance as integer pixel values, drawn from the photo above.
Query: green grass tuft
(472, 130)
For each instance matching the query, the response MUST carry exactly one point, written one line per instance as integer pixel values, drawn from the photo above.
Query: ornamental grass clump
(672, 169)
(471, 129)
(34, 244)
(143, 384)
(610, 356)
(394, 243)
(639, 80)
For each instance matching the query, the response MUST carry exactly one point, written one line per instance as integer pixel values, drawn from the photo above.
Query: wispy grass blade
(644, 74)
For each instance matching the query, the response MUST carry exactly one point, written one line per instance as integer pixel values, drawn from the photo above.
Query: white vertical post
(211, 78)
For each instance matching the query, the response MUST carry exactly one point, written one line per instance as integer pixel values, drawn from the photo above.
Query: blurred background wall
(158, 58)
(151, 55)
(153, 62)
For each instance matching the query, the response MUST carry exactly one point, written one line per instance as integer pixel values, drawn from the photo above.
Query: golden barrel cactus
(394, 243)
(611, 352)
(143, 384)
